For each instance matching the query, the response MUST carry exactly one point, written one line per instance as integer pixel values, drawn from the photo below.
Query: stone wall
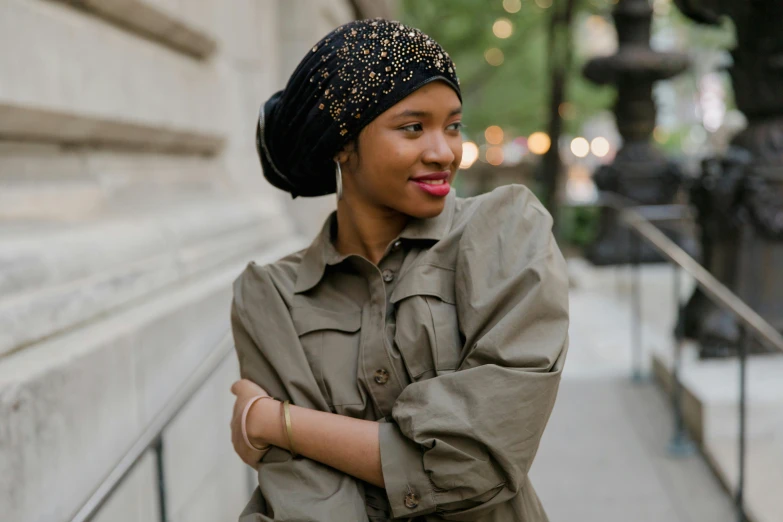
(130, 198)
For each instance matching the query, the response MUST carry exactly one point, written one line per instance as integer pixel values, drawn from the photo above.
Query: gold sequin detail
(366, 62)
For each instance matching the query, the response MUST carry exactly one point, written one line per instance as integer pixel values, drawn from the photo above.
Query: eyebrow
(425, 114)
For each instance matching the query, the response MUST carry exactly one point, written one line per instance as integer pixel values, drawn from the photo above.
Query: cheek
(383, 166)
(457, 150)
(393, 155)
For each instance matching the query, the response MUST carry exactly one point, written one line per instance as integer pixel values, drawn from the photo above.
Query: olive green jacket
(454, 342)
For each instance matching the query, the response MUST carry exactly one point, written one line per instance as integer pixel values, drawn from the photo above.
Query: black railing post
(680, 444)
(161, 479)
(741, 443)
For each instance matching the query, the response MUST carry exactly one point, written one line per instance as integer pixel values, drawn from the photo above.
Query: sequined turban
(351, 76)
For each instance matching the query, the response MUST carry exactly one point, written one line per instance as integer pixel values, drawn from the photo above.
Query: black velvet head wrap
(351, 76)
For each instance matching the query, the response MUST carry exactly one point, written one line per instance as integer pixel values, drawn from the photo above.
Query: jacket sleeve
(269, 352)
(463, 442)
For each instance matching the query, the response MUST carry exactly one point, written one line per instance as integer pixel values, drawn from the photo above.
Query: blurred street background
(131, 196)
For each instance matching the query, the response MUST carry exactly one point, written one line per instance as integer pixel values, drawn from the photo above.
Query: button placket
(383, 384)
(390, 264)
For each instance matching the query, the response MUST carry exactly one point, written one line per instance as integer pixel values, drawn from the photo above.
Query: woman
(420, 338)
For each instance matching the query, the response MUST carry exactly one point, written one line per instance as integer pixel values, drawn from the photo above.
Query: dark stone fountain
(640, 171)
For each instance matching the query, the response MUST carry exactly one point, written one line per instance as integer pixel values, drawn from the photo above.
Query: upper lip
(431, 176)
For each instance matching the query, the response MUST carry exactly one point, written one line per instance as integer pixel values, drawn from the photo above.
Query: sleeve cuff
(408, 485)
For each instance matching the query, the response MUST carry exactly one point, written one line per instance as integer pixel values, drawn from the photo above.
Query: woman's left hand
(244, 391)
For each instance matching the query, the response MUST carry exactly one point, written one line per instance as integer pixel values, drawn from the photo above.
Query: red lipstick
(434, 183)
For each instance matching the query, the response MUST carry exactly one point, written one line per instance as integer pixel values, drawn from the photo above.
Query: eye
(413, 127)
(456, 126)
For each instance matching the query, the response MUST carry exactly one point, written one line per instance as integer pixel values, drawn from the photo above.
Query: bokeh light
(567, 111)
(494, 135)
(470, 153)
(494, 56)
(544, 4)
(495, 155)
(502, 28)
(513, 153)
(580, 147)
(600, 146)
(512, 6)
(539, 142)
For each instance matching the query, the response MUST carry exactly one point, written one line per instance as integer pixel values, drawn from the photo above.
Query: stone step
(711, 402)
(58, 275)
(74, 403)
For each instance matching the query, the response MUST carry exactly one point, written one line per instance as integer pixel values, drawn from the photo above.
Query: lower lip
(434, 190)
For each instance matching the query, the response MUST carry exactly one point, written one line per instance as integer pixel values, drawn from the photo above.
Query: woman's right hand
(244, 391)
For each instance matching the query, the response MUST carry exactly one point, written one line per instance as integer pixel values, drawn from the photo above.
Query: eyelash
(459, 125)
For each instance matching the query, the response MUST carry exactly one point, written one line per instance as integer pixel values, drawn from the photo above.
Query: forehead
(434, 97)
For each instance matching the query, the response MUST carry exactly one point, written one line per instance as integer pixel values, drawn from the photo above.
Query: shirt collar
(322, 252)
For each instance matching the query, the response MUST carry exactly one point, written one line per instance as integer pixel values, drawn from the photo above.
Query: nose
(438, 151)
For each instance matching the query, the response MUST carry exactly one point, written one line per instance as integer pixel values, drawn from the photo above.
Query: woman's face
(408, 156)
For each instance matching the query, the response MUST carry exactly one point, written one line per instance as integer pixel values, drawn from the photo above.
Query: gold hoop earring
(339, 181)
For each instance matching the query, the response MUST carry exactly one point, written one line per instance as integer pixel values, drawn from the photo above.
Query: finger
(235, 388)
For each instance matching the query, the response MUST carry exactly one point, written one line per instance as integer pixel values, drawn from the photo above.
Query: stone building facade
(130, 198)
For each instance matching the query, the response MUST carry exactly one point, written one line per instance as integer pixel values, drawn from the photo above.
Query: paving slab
(604, 458)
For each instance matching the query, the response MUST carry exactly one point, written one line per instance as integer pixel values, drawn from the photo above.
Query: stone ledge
(24, 123)
(153, 22)
(49, 182)
(70, 78)
(57, 276)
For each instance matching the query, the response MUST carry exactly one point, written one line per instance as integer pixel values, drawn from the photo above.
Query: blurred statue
(739, 197)
(640, 171)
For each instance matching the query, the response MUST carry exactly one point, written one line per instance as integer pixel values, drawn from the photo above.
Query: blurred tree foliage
(515, 94)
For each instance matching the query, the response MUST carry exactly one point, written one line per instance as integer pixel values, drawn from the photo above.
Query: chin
(426, 210)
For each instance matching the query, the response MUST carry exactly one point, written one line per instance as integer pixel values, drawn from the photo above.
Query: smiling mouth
(431, 181)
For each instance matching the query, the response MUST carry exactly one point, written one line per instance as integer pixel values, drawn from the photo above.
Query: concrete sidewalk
(603, 457)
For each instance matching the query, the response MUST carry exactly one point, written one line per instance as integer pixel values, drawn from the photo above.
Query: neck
(365, 230)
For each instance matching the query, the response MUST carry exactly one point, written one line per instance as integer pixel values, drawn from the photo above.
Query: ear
(345, 154)
(341, 157)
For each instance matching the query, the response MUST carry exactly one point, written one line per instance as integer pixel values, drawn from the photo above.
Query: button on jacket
(454, 342)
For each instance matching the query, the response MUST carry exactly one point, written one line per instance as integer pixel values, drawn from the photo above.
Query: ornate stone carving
(739, 196)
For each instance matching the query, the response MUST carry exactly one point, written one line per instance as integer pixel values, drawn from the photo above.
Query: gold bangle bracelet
(289, 431)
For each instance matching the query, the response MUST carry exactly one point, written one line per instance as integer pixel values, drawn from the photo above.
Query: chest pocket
(427, 333)
(331, 343)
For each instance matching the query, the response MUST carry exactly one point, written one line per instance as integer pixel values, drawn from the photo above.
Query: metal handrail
(638, 219)
(152, 435)
(714, 288)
